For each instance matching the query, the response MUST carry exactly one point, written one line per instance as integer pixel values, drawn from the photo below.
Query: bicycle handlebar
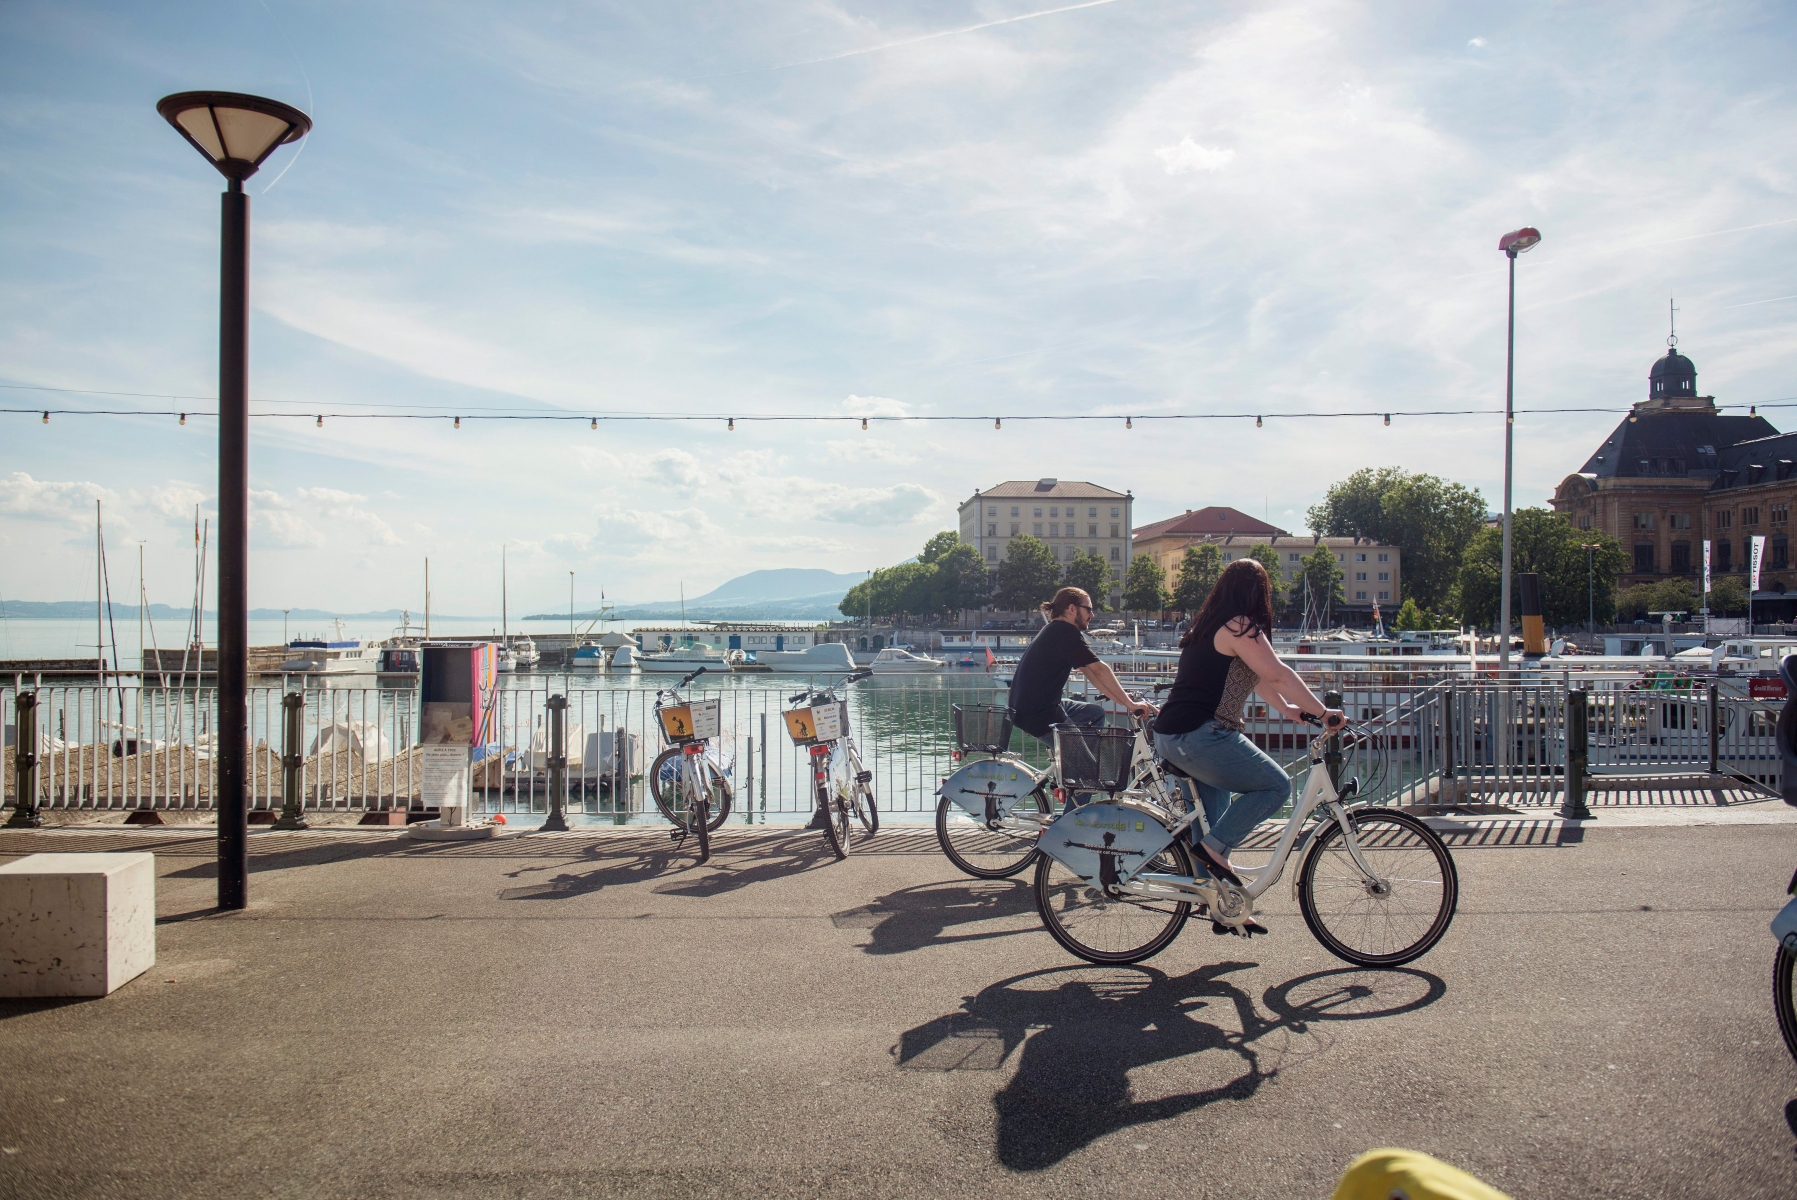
(690, 678)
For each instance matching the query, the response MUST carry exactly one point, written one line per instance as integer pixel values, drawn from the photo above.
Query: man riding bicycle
(1055, 654)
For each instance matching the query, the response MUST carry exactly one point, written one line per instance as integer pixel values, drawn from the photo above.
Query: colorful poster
(1706, 572)
(1759, 550)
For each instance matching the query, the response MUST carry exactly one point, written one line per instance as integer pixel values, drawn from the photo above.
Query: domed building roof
(1672, 376)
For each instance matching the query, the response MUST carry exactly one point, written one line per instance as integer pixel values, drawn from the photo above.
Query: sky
(997, 207)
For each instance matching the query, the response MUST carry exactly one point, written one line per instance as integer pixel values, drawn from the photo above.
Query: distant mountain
(782, 593)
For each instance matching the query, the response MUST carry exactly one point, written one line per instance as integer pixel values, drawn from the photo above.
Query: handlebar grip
(1312, 719)
(854, 676)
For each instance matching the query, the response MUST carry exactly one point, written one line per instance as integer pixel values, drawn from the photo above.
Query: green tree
(961, 580)
(1092, 573)
(1410, 616)
(939, 545)
(1028, 575)
(1431, 522)
(1145, 586)
(1198, 571)
(1728, 596)
(1268, 557)
(1546, 543)
(1319, 582)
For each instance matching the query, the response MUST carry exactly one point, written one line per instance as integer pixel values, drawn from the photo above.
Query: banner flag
(1706, 572)
(1759, 550)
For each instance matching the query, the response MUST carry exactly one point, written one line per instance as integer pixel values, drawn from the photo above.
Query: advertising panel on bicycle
(707, 718)
(827, 720)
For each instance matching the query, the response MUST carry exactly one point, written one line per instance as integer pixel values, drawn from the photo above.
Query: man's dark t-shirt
(1036, 688)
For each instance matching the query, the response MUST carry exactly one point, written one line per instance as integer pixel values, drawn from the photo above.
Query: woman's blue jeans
(1224, 762)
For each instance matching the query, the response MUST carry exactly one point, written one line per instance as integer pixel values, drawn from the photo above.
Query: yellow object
(1409, 1175)
(798, 724)
(676, 720)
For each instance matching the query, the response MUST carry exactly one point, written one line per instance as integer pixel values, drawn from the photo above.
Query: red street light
(1519, 242)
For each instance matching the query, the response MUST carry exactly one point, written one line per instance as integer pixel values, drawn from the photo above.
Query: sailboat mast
(99, 594)
(427, 599)
(140, 612)
(504, 636)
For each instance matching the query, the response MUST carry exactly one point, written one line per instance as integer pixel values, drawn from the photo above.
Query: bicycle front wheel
(991, 853)
(1390, 921)
(665, 786)
(865, 808)
(1103, 930)
(1784, 979)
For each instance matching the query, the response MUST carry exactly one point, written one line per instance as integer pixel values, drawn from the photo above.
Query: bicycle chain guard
(1107, 843)
(1004, 782)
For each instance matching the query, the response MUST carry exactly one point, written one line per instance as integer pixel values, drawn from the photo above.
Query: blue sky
(1127, 207)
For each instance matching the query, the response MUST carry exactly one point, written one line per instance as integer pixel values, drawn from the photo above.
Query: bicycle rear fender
(1006, 782)
(1106, 843)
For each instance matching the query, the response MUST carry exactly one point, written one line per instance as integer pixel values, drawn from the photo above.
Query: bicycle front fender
(1116, 839)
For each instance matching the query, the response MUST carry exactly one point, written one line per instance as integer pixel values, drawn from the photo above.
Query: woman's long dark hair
(1243, 590)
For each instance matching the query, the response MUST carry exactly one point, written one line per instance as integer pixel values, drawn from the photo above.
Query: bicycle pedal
(864, 777)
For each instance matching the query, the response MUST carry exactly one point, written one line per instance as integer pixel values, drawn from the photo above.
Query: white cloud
(1190, 156)
(46, 500)
(1478, 41)
(174, 501)
(900, 504)
(676, 468)
(874, 406)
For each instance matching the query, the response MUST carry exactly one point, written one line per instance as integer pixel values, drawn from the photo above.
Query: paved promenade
(590, 1015)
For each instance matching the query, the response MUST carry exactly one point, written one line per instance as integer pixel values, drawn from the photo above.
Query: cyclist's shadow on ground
(1083, 1029)
(939, 914)
(767, 861)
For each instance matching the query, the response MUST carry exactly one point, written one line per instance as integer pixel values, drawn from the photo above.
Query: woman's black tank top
(1197, 688)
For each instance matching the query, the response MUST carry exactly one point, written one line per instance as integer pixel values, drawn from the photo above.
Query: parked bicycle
(1784, 925)
(841, 784)
(687, 779)
(991, 811)
(1115, 883)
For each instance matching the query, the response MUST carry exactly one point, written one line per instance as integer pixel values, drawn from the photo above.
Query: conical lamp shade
(235, 132)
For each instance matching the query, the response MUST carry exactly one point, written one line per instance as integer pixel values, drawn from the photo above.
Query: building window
(1781, 553)
(1585, 522)
(1294, 557)
(1360, 577)
(1114, 512)
(992, 529)
(1015, 511)
(1054, 530)
(1037, 527)
(1681, 558)
(1750, 517)
(1360, 558)
(1678, 521)
(1385, 558)
(1385, 595)
(991, 553)
(1780, 514)
(1644, 557)
(1092, 530)
(1725, 556)
(1038, 511)
(1091, 512)
(1724, 520)
(1054, 512)
(1360, 595)
(1385, 577)
(1340, 557)
(1116, 554)
(1114, 529)
(1643, 520)
(992, 511)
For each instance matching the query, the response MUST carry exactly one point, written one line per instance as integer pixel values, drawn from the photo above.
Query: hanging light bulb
(732, 425)
(1129, 422)
(595, 422)
(458, 422)
(321, 420)
(46, 416)
(1257, 421)
(183, 418)
(864, 422)
(997, 422)
(1388, 419)
(1753, 410)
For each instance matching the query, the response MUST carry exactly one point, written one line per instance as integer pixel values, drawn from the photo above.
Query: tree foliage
(1546, 543)
(1199, 568)
(1728, 596)
(1319, 583)
(939, 545)
(1410, 616)
(1028, 576)
(1431, 522)
(1092, 573)
(1268, 557)
(1145, 586)
(948, 577)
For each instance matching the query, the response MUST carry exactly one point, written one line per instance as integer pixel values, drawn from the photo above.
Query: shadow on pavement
(934, 914)
(764, 859)
(1083, 1029)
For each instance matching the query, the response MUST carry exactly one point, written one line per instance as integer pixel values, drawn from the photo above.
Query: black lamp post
(1591, 549)
(236, 133)
(1511, 244)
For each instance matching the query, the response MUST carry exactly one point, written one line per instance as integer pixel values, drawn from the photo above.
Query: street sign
(1766, 688)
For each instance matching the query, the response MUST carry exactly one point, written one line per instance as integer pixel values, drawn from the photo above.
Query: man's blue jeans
(1222, 762)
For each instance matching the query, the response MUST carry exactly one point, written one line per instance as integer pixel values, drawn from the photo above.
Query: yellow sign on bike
(691, 722)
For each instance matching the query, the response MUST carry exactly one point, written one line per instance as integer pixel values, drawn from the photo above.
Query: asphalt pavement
(591, 1014)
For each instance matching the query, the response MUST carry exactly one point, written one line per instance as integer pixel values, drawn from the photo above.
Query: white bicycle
(1115, 882)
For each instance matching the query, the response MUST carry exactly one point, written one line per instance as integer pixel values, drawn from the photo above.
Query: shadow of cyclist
(939, 914)
(1084, 1029)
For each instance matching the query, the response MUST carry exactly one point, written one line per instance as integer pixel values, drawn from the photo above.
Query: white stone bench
(76, 924)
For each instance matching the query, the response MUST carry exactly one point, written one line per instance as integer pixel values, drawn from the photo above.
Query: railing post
(1713, 730)
(293, 762)
(1332, 746)
(1447, 733)
(1578, 755)
(26, 813)
(556, 821)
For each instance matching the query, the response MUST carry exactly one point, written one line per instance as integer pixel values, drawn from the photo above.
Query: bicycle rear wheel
(991, 853)
(1783, 982)
(702, 828)
(865, 808)
(1361, 922)
(1100, 929)
(664, 785)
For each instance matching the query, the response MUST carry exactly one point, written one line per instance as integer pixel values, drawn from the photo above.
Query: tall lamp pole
(1590, 549)
(236, 133)
(1511, 244)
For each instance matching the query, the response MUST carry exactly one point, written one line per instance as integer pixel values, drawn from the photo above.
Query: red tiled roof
(1216, 519)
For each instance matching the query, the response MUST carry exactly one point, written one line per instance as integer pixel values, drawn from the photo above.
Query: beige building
(1371, 571)
(1071, 516)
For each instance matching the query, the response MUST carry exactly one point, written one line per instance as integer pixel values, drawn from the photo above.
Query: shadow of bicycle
(940, 914)
(1084, 1029)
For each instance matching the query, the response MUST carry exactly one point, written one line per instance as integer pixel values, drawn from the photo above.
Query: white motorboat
(828, 657)
(896, 660)
(525, 653)
(682, 659)
(339, 656)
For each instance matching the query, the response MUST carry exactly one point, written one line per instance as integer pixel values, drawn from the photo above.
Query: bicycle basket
(684, 723)
(1093, 760)
(985, 728)
(820, 723)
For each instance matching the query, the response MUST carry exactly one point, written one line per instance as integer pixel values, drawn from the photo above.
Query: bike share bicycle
(841, 785)
(687, 779)
(1115, 880)
(1784, 925)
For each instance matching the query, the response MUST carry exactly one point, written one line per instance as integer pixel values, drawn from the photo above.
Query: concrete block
(76, 924)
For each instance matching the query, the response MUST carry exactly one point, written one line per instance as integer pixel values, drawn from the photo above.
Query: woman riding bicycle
(1224, 656)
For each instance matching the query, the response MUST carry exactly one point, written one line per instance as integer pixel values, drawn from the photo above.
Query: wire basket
(1093, 760)
(819, 723)
(985, 728)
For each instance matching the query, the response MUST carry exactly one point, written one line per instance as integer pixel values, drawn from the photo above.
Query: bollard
(1332, 747)
(293, 731)
(556, 821)
(26, 813)
(1713, 730)
(1578, 755)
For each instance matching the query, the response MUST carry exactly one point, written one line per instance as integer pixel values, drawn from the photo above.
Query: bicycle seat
(1172, 768)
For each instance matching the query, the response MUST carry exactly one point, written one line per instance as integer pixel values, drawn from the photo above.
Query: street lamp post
(1511, 244)
(1590, 549)
(236, 133)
